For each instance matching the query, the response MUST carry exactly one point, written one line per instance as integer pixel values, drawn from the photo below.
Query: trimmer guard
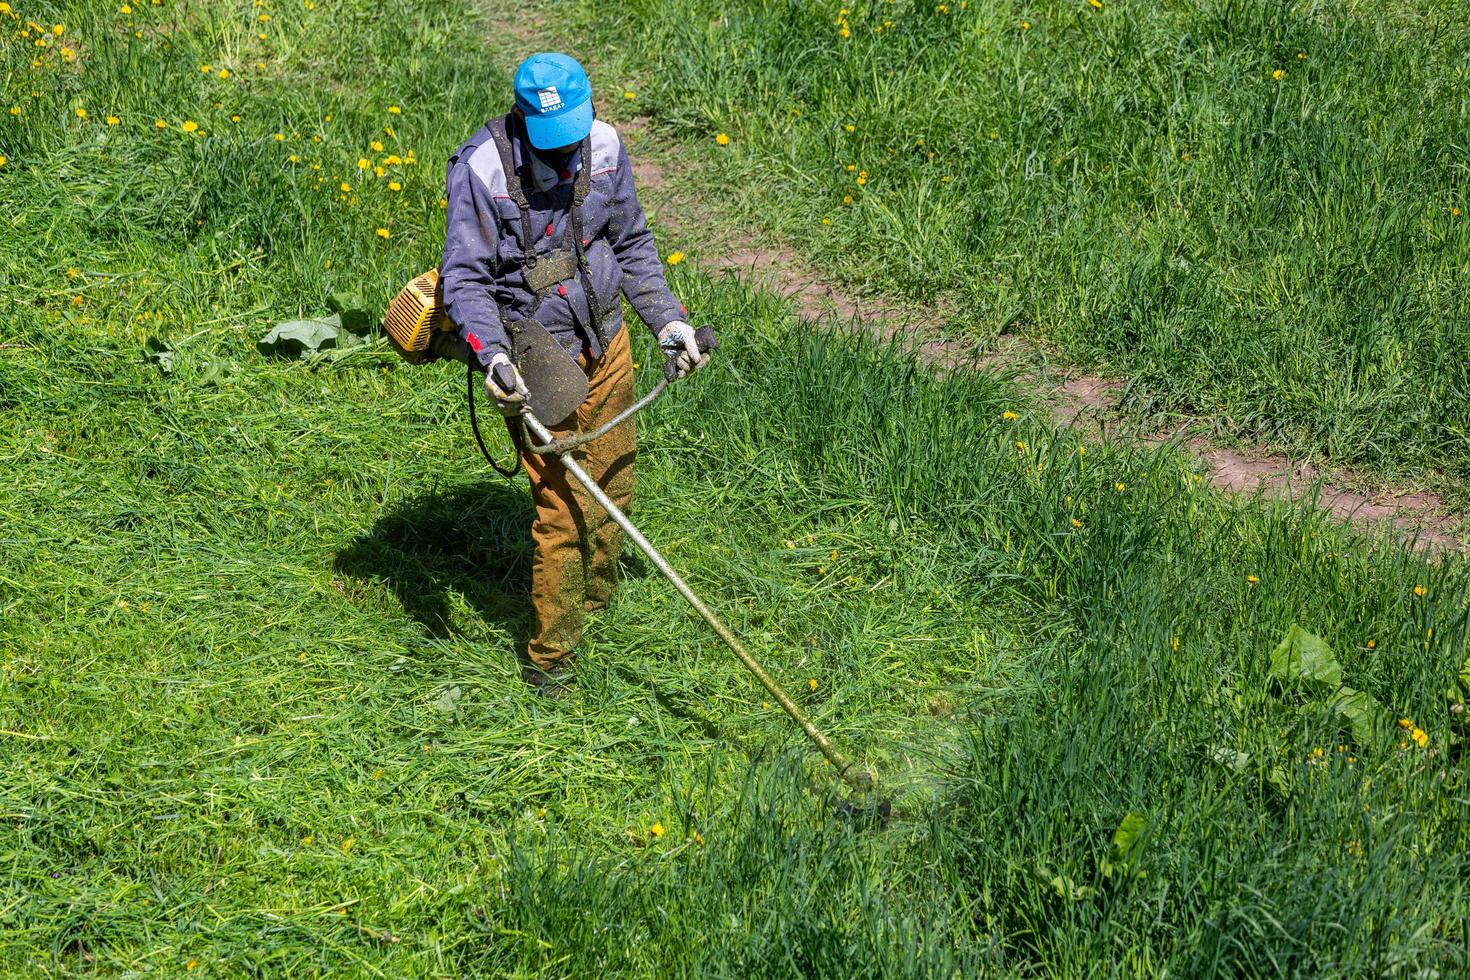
(557, 385)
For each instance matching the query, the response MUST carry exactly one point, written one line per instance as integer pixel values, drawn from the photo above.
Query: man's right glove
(678, 342)
(508, 402)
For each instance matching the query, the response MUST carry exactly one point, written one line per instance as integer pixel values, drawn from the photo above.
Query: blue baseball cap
(556, 97)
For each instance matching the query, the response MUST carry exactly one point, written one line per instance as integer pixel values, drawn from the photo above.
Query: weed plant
(259, 707)
(1258, 211)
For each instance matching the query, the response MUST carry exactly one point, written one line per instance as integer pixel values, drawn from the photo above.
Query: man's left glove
(678, 342)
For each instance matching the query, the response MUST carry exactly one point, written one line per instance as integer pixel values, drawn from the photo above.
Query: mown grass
(1131, 183)
(258, 697)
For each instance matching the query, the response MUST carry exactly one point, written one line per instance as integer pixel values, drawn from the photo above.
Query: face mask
(554, 159)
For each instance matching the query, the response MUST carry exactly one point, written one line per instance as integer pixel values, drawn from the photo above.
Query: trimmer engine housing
(414, 316)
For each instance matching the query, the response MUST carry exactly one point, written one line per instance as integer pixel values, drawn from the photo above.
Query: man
(543, 223)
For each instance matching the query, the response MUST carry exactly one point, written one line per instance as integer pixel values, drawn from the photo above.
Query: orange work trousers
(575, 566)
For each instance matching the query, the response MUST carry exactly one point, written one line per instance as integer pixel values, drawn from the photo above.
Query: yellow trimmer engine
(414, 316)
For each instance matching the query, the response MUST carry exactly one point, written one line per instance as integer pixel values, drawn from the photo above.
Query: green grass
(259, 709)
(1128, 184)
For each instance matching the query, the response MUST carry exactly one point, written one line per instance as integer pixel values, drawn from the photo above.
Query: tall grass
(1259, 210)
(258, 700)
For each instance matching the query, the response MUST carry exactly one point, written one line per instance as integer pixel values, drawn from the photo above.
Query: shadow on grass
(471, 541)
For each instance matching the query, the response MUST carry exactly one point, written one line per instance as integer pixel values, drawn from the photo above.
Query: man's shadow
(474, 541)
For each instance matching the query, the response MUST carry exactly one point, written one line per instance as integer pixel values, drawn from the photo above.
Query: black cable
(475, 428)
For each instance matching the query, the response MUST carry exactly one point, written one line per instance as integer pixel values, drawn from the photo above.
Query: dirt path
(685, 210)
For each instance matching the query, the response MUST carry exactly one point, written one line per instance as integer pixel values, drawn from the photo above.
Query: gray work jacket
(483, 246)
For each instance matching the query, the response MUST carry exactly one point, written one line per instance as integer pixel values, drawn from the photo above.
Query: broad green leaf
(1363, 714)
(349, 306)
(1126, 846)
(1065, 887)
(1305, 657)
(295, 338)
(1230, 758)
(162, 354)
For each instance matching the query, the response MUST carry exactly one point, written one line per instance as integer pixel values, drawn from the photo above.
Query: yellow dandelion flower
(657, 829)
(58, 29)
(279, 137)
(443, 203)
(1076, 523)
(1419, 590)
(125, 9)
(850, 128)
(392, 160)
(1009, 416)
(826, 221)
(1119, 487)
(113, 120)
(1025, 25)
(1406, 724)
(1174, 644)
(189, 126)
(15, 110)
(379, 171)
(630, 96)
(1020, 446)
(723, 139)
(81, 113)
(1454, 212)
(861, 181)
(265, 18)
(1252, 579)
(811, 684)
(847, 199)
(4, 160)
(382, 233)
(344, 187)
(1420, 736)
(348, 844)
(1279, 74)
(1372, 644)
(696, 837)
(160, 124)
(845, 32)
(293, 158)
(394, 185)
(674, 258)
(68, 54)
(191, 964)
(377, 146)
(395, 110)
(1096, 4)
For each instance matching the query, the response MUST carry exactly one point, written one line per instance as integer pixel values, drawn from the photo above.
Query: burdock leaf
(160, 353)
(1364, 715)
(351, 309)
(1305, 657)
(294, 338)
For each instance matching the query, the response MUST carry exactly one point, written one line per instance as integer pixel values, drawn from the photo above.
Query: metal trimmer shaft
(859, 779)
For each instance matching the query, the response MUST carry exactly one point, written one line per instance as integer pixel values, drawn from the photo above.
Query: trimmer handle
(704, 339)
(504, 377)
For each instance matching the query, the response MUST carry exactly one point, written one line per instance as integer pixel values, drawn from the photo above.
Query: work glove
(510, 402)
(679, 344)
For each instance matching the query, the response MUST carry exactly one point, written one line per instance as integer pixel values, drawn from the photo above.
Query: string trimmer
(559, 387)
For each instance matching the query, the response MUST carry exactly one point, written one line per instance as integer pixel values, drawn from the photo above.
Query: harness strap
(515, 186)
